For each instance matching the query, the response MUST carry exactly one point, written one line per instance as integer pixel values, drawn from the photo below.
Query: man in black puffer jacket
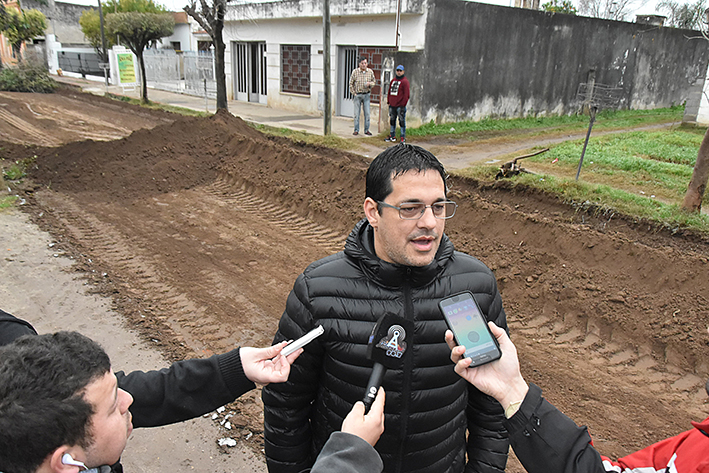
(396, 260)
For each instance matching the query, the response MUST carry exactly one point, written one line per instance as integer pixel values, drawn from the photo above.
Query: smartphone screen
(470, 328)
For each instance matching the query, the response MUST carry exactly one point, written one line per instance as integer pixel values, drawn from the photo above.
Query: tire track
(128, 261)
(288, 221)
(27, 129)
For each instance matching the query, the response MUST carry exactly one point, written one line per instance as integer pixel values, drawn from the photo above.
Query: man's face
(111, 422)
(363, 64)
(408, 242)
(399, 72)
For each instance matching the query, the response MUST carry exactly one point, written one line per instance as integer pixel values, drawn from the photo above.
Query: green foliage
(684, 15)
(90, 23)
(138, 29)
(560, 6)
(13, 173)
(90, 20)
(18, 169)
(23, 26)
(27, 78)
(140, 6)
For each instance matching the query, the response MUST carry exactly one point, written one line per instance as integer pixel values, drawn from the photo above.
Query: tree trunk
(17, 49)
(219, 51)
(143, 80)
(698, 184)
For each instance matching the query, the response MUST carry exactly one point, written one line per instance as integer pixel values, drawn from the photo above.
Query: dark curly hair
(42, 382)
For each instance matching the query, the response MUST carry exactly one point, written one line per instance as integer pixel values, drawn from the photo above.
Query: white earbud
(67, 459)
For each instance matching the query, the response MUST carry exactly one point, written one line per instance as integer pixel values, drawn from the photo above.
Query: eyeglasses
(415, 210)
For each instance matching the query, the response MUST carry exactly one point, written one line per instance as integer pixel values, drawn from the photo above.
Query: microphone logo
(393, 342)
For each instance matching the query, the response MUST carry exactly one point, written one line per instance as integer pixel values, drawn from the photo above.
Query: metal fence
(163, 69)
(199, 74)
(187, 72)
(84, 63)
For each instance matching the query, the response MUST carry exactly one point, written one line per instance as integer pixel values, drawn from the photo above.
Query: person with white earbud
(67, 459)
(62, 410)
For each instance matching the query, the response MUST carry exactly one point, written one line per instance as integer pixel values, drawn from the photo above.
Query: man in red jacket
(398, 98)
(545, 440)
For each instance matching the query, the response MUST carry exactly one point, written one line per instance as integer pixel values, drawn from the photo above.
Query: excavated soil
(197, 228)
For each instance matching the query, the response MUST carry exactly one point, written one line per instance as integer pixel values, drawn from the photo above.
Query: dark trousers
(395, 112)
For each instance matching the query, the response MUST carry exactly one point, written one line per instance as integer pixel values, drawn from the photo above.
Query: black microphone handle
(375, 380)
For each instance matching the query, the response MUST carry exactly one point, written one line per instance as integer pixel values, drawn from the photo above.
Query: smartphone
(469, 326)
(302, 341)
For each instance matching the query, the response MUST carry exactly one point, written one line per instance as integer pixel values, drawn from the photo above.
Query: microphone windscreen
(389, 340)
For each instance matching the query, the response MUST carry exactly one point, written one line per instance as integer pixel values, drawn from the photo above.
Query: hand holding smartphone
(469, 326)
(302, 341)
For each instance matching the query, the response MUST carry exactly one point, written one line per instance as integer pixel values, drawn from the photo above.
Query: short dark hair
(363, 58)
(42, 383)
(397, 160)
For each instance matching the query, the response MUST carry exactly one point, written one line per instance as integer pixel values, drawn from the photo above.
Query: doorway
(250, 81)
(347, 62)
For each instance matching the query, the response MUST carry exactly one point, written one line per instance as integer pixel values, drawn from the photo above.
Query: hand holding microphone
(386, 347)
(370, 426)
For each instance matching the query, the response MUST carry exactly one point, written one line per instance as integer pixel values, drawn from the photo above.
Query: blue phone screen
(468, 325)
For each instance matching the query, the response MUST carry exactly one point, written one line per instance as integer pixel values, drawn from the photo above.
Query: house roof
(180, 17)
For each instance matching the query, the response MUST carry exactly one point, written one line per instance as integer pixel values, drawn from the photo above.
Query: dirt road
(197, 228)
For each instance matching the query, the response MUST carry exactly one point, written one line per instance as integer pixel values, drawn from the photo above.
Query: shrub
(27, 78)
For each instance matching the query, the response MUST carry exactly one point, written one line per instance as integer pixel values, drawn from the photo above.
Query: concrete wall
(181, 34)
(484, 60)
(62, 20)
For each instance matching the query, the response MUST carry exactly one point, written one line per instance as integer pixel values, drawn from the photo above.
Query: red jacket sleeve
(686, 452)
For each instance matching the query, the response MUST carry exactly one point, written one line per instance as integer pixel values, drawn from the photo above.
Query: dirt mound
(179, 155)
(188, 152)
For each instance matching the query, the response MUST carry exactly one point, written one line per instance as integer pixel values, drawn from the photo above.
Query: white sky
(642, 7)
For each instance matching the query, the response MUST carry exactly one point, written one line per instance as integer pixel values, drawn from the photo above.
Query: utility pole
(103, 45)
(327, 106)
(398, 23)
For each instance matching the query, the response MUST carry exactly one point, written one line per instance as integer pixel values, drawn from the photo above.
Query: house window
(176, 45)
(295, 68)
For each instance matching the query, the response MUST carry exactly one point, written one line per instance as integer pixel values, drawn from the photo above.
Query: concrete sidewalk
(252, 112)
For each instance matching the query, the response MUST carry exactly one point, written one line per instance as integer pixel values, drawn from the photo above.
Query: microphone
(386, 347)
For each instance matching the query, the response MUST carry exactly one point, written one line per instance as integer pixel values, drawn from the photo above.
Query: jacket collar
(703, 427)
(360, 247)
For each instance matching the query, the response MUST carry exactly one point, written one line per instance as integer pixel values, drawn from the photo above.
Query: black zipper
(408, 368)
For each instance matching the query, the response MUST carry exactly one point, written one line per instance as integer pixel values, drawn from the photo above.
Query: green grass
(7, 201)
(14, 172)
(330, 141)
(159, 106)
(640, 173)
(17, 170)
(604, 120)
